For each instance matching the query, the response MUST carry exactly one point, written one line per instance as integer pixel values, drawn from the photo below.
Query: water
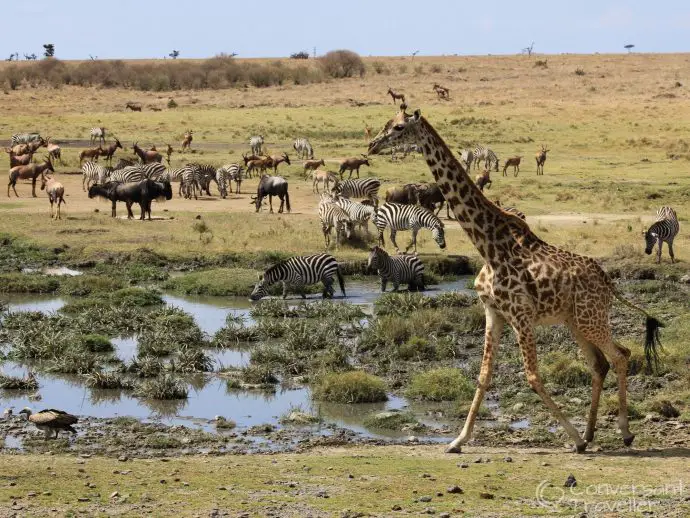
(208, 394)
(54, 270)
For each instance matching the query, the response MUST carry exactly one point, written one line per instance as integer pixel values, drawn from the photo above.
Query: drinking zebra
(359, 213)
(484, 154)
(398, 269)
(665, 228)
(408, 217)
(93, 173)
(303, 148)
(256, 144)
(132, 173)
(226, 174)
(359, 188)
(334, 217)
(25, 138)
(301, 271)
(97, 134)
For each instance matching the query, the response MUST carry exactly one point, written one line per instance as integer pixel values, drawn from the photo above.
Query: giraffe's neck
(485, 224)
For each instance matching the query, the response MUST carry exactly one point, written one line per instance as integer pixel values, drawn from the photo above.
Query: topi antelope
(441, 91)
(25, 172)
(91, 154)
(149, 156)
(325, 177)
(56, 193)
(312, 165)
(15, 159)
(396, 95)
(541, 158)
(277, 160)
(54, 151)
(515, 162)
(109, 151)
(352, 164)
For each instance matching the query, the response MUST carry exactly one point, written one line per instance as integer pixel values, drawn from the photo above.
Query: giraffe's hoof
(454, 449)
(580, 448)
(628, 440)
(589, 437)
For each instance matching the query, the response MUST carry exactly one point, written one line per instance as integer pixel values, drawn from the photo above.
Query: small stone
(123, 458)
(439, 493)
(163, 481)
(412, 438)
(185, 484)
(31, 493)
(508, 459)
(396, 507)
(46, 493)
(545, 464)
(429, 510)
(322, 494)
(83, 499)
(464, 465)
(425, 499)
(222, 488)
(12, 484)
(455, 490)
(486, 496)
(350, 476)
(114, 494)
(81, 470)
(444, 515)
(570, 481)
(478, 460)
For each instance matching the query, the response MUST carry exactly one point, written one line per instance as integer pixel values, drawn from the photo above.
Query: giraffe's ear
(417, 115)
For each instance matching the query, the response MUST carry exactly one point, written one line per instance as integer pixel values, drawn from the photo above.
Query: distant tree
(49, 50)
(174, 54)
(30, 57)
(300, 55)
(629, 46)
(528, 50)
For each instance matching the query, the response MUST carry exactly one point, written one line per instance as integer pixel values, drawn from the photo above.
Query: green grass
(218, 281)
(27, 283)
(350, 387)
(443, 384)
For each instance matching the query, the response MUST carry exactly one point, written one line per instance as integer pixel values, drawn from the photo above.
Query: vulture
(51, 420)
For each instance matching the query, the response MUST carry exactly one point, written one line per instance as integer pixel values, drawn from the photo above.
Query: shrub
(436, 68)
(342, 63)
(146, 366)
(565, 370)
(162, 387)
(579, 71)
(444, 384)
(300, 55)
(380, 67)
(192, 360)
(171, 102)
(259, 375)
(96, 344)
(350, 387)
(541, 63)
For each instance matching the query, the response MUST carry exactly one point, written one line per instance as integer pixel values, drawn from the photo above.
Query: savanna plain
(386, 379)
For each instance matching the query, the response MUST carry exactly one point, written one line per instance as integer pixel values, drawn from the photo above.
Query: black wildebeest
(136, 192)
(272, 186)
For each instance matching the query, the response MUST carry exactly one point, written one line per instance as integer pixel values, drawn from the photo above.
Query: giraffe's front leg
(492, 336)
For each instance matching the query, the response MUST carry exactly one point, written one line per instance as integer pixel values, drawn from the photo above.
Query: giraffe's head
(401, 129)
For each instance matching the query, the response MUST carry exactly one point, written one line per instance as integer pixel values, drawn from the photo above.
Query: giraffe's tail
(652, 342)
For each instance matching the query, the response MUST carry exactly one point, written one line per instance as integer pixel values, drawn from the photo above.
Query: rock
(123, 458)
(46, 493)
(31, 493)
(545, 464)
(429, 510)
(425, 499)
(685, 279)
(322, 494)
(396, 507)
(444, 515)
(412, 438)
(518, 406)
(486, 496)
(464, 465)
(508, 459)
(570, 481)
(478, 460)
(455, 490)
(114, 494)
(83, 499)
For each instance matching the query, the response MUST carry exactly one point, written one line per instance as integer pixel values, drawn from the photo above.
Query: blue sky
(273, 28)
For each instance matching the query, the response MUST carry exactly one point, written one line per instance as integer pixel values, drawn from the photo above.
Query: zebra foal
(665, 228)
(398, 269)
(301, 271)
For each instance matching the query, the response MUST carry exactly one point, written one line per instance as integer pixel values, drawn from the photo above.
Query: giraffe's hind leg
(492, 336)
(528, 348)
(599, 366)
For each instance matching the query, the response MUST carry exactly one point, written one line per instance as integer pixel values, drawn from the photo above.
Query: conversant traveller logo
(610, 498)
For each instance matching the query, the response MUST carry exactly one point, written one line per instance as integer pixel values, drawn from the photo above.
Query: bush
(566, 370)
(172, 103)
(541, 63)
(350, 387)
(162, 387)
(579, 71)
(259, 375)
(27, 283)
(380, 67)
(444, 384)
(342, 63)
(219, 282)
(300, 55)
(436, 68)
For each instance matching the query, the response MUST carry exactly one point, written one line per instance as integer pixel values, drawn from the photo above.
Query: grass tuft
(443, 384)
(350, 387)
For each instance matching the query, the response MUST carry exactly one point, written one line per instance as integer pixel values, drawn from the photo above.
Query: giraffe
(526, 282)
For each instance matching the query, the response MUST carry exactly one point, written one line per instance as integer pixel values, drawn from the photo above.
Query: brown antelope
(483, 180)
(312, 165)
(109, 151)
(135, 107)
(541, 158)
(54, 150)
(168, 154)
(35, 144)
(515, 162)
(16, 160)
(352, 164)
(55, 191)
(325, 177)
(258, 164)
(396, 95)
(91, 154)
(148, 157)
(367, 133)
(25, 172)
(20, 149)
(277, 160)
(441, 91)
(187, 141)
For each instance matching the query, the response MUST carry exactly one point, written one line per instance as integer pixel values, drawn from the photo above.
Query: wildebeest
(136, 192)
(272, 186)
(430, 196)
(147, 156)
(135, 107)
(24, 172)
(407, 194)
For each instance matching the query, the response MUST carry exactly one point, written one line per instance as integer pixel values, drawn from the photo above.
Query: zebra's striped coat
(133, 173)
(301, 271)
(93, 173)
(256, 144)
(408, 217)
(97, 134)
(303, 148)
(334, 217)
(359, 213)
(665, 228)
(398, 269)
(484, 154)
(359, 188)
(226, 174)
(25, 138)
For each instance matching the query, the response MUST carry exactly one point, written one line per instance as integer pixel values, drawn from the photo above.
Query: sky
(274, 28)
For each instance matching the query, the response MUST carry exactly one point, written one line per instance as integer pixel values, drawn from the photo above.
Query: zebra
(399, 269)
(124, 162)
(93, 173)
(204, 174)
(301, 271)
(256, 143)
(25, 138)
(405, 149)
(665, 228)
(226, 174)
(154, 170)
(467, 156)
(484, 154)
(303, 148)
(189, 182)
(359, 188)
(359, 213)
(408, 217)
(97, 134)
(132, 173)
(334, 216)
(173, 175)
